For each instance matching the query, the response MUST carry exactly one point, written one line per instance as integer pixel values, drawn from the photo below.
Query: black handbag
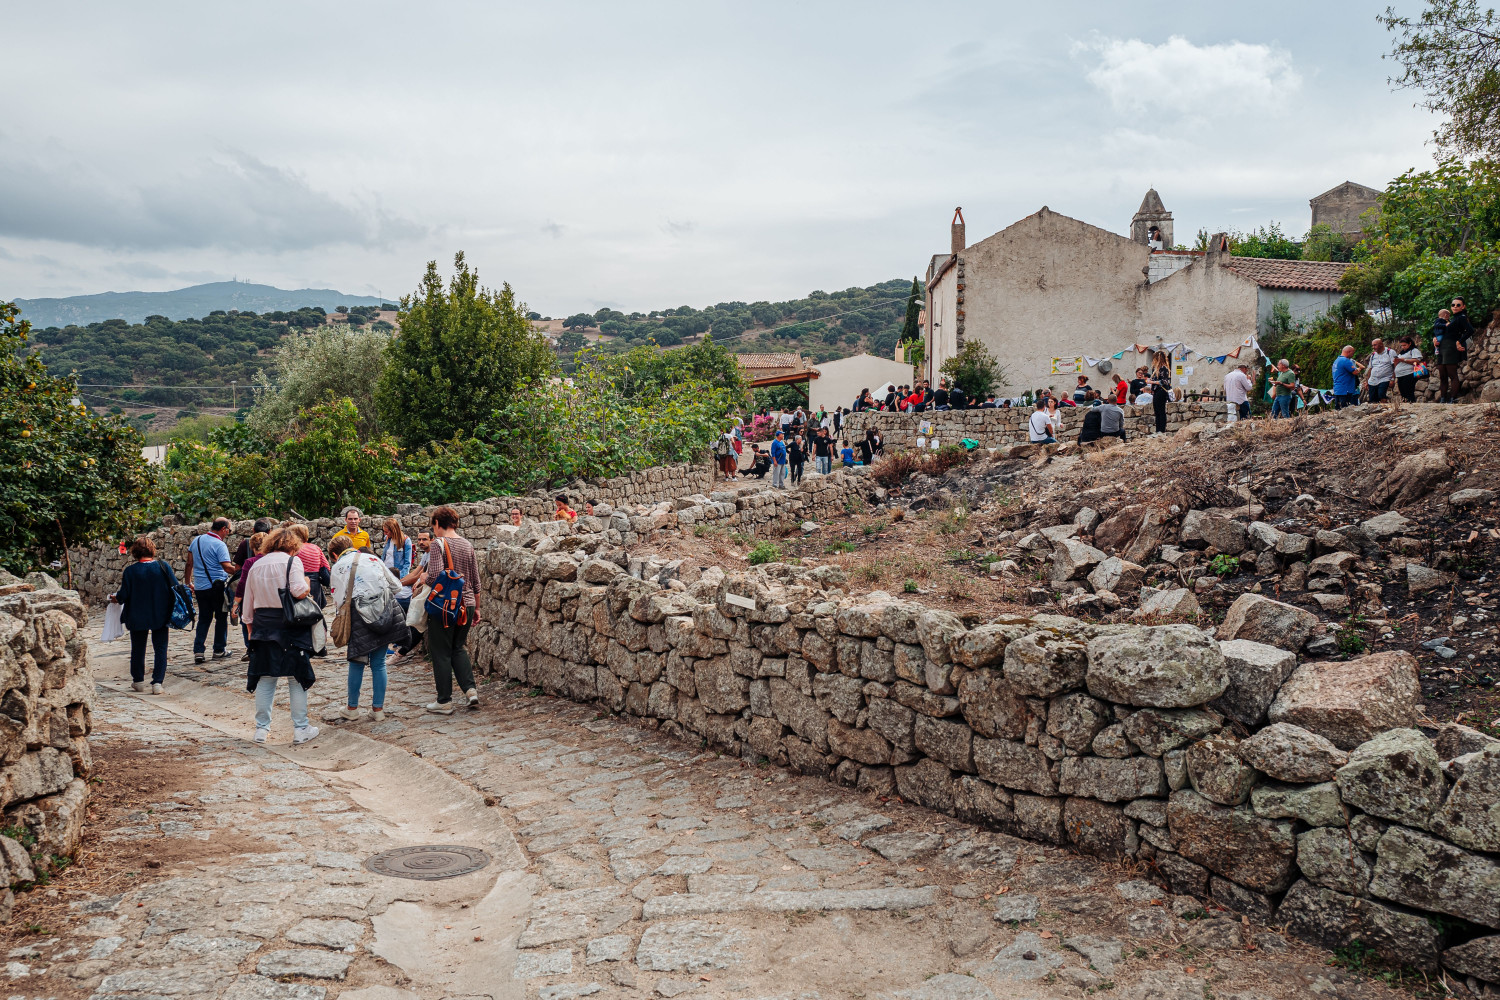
(301, 611)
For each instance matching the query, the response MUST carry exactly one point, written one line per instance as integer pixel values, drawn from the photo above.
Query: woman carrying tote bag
(370, 619)
(280, 613)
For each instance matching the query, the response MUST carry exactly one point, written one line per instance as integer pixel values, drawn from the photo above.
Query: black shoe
(197, 657)
(221, 654)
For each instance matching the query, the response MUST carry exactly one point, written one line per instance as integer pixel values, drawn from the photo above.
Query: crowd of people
(389, 598)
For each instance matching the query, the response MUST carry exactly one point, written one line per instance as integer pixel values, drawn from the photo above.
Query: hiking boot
(440, 707)
(300, 736)
(156, 689)
(261, 735)
(473, 697)
(137, 685)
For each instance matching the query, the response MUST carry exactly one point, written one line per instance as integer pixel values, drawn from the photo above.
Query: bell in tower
(1152, 224)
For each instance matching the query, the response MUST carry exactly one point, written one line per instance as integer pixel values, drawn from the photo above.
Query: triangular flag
(1117, 355)
(1092, 361)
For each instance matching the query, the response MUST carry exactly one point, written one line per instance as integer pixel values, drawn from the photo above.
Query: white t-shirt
(1382, 366)
(1055, 419)
(1039, 426)
(1406, 362)
(1144, 399)
(1237, 386)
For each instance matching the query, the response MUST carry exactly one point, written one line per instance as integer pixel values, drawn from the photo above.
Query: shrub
(764, 552)
(975, 370)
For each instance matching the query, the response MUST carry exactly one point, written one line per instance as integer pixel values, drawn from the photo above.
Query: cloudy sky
(644, 155)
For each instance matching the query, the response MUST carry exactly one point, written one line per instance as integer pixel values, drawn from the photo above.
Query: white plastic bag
(114, 622)
(416, 614)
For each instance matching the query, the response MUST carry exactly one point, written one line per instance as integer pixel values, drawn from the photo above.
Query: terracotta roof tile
(770, 360)
(1303, 275)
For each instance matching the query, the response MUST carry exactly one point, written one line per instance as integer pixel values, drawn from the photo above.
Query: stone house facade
(1051, 286)
(1341, 207)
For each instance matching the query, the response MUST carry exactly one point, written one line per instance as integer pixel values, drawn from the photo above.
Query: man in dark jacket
(957, 399)
(1104, 420)
(1452, 351)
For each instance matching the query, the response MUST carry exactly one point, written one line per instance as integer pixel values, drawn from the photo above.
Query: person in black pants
(1161, 389)
(1453, 351)
(796, 455)
(146, 596)
(208, 568)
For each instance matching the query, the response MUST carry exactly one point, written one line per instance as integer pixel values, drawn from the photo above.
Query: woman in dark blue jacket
(147, 596)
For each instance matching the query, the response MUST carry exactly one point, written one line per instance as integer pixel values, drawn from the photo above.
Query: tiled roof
(770, 360)
(1303, 275)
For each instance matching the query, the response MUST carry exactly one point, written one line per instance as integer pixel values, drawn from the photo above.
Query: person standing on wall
(208, 567)
(451, 566)
(146, 598)
(1237, 387)
(1453, 350)
(1160, 388)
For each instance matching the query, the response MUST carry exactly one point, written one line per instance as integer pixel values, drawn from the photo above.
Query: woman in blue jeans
(146, 597)
(377, 620)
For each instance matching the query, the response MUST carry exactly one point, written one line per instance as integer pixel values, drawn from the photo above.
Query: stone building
(1049, 290)
(1342, 206)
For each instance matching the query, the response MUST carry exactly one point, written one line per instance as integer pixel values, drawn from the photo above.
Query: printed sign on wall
(1067, 366)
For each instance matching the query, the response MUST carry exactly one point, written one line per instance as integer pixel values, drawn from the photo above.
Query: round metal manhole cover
(428, 863)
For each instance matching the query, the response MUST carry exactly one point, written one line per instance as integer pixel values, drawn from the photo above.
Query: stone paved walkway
(628, 864)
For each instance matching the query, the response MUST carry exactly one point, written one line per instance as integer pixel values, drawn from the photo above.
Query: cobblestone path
(626, 864)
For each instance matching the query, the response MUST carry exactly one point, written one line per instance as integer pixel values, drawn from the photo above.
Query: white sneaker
(303, 735)
(261, 735)
(377, 715)
(440, 707)
(137, 685)
(156, 689)
(473, 697)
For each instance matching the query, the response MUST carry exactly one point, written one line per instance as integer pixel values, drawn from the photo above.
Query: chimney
(958, 243)
(1218, 244)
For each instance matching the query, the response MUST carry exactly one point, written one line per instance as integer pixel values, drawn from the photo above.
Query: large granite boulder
(1256, 673)
(1327, 857)
(1347, 703)
(1098, 829)
(985, 645)
(1076, 718)
(1394, 776)
(1072, 560)
(1260, 619)
(1223, 533)
(1419, 870)
(1118, 576)
(992, 705)
(1166, 666)
(1336, 920)
(1290, 753)
(1233, 842)
(1117, 780)
(1479, 958)
(1471, 815)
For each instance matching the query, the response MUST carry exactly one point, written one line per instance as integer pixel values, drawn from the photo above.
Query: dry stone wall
(1310, 794)
(48, 691)
(998, 427)
(629, 507)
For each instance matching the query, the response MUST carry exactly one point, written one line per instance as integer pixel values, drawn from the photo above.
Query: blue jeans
(1343, 399)
(377, 679)
(265, 694)
(1046, 440)
(825, 464)
(1378, 391)
(1281, 406)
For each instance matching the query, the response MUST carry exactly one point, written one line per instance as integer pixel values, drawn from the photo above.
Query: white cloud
(1181, 77)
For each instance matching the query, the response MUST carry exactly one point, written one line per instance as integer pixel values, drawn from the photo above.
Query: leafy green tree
(1267, 241)
(70, 476)
(1377, 261)
(1323, 242)
(325, 466)
(572, 341)
(203, 481)
(1445, 210)
(975, 370)
(1451, 53)
(646, 370)
(909, 329)
(463, 352)
(578, 321)
(781, 397)
(1431, 282)
(335, 361)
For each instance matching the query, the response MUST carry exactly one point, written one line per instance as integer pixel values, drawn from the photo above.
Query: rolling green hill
(182, 303)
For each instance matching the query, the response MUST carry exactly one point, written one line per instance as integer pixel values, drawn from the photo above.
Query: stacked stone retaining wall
(1309, 795)
(994, 428)
(48, 691)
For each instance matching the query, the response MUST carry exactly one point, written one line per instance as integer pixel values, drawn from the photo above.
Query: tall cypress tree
(909, 329)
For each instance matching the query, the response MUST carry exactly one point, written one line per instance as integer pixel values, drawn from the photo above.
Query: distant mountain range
(184, 303)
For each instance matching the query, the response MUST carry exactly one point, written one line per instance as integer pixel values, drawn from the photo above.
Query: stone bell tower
(1152, 224)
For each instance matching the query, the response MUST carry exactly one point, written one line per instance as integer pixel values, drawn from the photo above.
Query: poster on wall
(1067, 366)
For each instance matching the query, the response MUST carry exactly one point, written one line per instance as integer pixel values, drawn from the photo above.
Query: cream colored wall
(942, 322)
(1051, 286)
(1208, 307)
(840, 381)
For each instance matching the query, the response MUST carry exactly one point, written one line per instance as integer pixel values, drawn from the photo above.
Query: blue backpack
(446, 602)
(184, 613)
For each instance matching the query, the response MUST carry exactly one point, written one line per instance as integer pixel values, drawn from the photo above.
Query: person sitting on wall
(957, 398)
(1101, 419)
(989, 403)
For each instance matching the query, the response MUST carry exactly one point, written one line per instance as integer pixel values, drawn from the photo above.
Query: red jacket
(1122, 393)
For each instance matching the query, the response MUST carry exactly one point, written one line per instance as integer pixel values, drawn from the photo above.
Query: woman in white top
(278, 648)
(377, 619)
(1407, 359)
(1054, 417)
